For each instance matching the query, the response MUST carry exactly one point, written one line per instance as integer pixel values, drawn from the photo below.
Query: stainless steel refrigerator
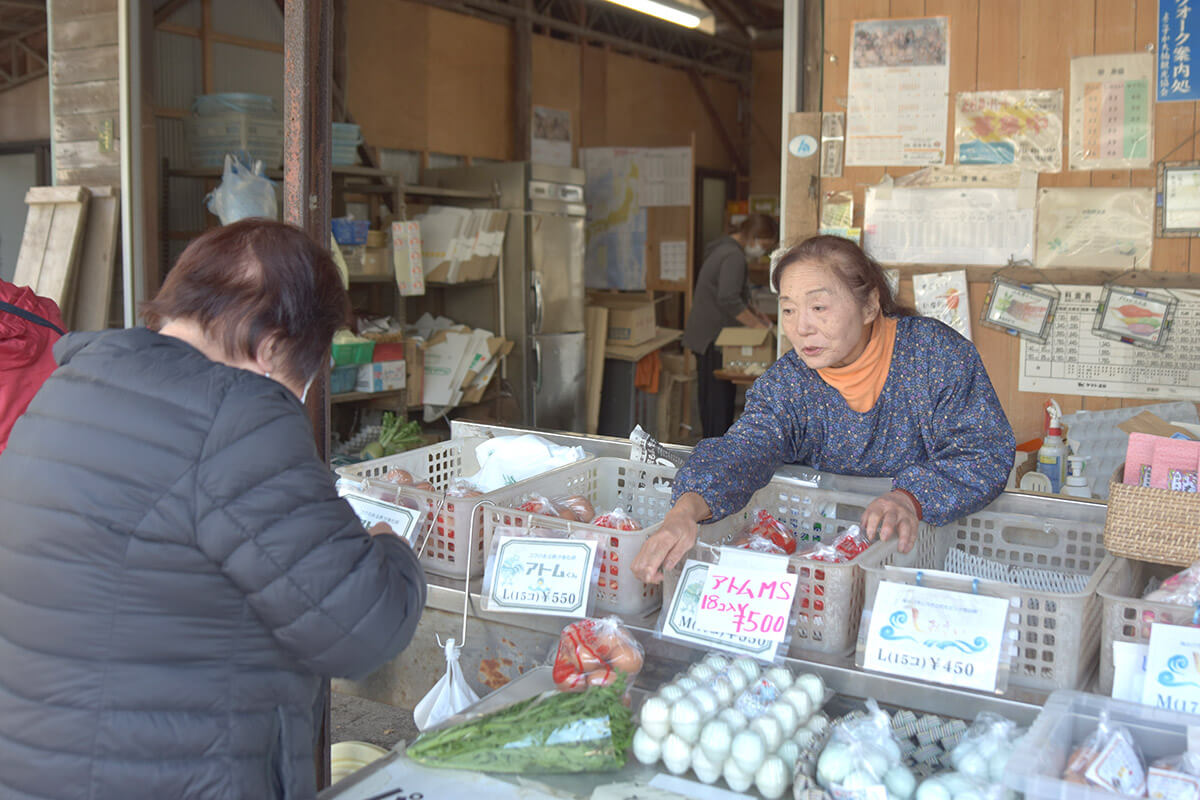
(541, 284)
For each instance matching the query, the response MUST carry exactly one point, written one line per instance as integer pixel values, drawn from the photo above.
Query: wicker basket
(1155, 525)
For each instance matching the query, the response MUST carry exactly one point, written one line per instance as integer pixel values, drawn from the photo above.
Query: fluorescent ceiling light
(687, 16)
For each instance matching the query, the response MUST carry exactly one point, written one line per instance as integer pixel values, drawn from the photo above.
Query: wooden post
(523, 82)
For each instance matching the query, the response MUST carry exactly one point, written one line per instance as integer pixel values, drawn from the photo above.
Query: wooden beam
(718, 123)
(730, 17)
(161, 15)
(217, 37)
(206, 53)
(523, 82)
(1065, 276)
(341, 60)
(172, 113)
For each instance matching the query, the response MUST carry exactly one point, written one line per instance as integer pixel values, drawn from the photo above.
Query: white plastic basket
(643, 490)
(1059, 634)
(829, 596)
(444, 553)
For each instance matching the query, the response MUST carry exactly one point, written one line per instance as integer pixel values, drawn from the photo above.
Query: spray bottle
(1052, 457)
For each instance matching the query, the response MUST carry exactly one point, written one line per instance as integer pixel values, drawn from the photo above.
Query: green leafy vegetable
(396, 436)
(560, 732)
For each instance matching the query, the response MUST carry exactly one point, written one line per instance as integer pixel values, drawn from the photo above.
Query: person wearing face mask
(722, 300)
(177, 571)
(868, 389)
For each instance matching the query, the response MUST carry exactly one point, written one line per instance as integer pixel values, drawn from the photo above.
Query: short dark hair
(857, 271)
(758, 226)
(250, 281)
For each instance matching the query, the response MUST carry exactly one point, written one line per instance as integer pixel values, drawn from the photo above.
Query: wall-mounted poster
(551, 137)
(899, 88)
(943, 296)
(1020, 309)
(1095, 227)
(1178, 211)
(1135, 316)
(1112, 112)
(1021, 128)
(1178, 33)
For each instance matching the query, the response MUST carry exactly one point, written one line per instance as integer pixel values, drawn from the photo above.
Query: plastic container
(348, 353)
(348, 231)
(1059, 634)
(343, 379)
(208, 105)
(1037, 763)
(255, 137)
(644, 490)
(1126, 617)
(441, 463)
(346, 138)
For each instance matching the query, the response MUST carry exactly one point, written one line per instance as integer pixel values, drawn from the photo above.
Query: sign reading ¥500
(681, 620)
(535, 575)
(937, 635)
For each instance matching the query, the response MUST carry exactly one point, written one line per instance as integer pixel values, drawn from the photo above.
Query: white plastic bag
(449, 695)
(505, 460)
(243, 192)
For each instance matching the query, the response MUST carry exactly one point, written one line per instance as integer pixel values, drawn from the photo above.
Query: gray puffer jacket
(176, 575)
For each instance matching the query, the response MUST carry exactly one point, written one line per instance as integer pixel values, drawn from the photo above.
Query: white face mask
(754, 251)
(307, 385)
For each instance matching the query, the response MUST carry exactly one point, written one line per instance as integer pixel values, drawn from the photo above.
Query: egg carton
(1097, 437)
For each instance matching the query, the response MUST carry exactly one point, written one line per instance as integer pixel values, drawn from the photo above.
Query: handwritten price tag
(403, 521)
(1173, 668)
(681, 620)
(747, 602)
(937, 635)
(533, 575)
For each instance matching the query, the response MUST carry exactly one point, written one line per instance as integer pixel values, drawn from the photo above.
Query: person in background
(29, 327)
(722, 300)
(869, 389)
(177, 571)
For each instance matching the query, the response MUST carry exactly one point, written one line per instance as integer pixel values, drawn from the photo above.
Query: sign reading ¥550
(534, 575)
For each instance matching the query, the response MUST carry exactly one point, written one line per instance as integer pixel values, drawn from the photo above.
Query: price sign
(937, 635)
(746, 601)
(1173, 668)
(403, 521)
(534, 575)
(681, 620)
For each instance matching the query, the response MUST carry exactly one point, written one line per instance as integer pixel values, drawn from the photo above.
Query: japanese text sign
(1173, 668)
(681, 619)
(403, 521)
(1178, 28)
(747, 601)
(534, 575)
(937, 635)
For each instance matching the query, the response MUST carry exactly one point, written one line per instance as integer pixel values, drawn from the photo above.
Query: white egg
(671, 694)
(789, 752)
(656, 717)
(723, 689)
(900, 782)
(974, 764)
(813, 686)
(786, 715)
(798, 699)
(702, 672)
(748, 667)
(834, 765)
(685, 720)
(804, 739)
(706, 702)
(859, 780)
(890, 750)
(998, 765)
(646, 748)
(715, 740)
(964, 748)
(747, 751)
(780, 676)
(736, 719)
(969, 795)
(772, 778)
(956, 783)
(705, 768)
(687, 683)
(676, 754)
(818, 723)
(769, 729)
(737, 678)
(933, 789)
(738, 779)
(717, 661)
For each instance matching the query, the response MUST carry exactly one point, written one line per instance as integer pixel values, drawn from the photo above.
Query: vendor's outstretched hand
(893, 514)
(672, 541)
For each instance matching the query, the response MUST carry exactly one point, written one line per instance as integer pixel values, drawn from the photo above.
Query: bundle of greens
(561, 732)
(396, 436)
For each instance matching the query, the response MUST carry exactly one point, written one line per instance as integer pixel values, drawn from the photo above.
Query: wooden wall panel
(557, 79)
(86, 93)
(470, 106)
(765, 109)
(1024, 44)
(388, 72)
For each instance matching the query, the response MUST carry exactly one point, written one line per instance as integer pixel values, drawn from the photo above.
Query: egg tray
(924, 740)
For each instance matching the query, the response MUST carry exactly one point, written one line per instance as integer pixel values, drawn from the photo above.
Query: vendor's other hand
(380, 527)
(672, 541)
(893, 514)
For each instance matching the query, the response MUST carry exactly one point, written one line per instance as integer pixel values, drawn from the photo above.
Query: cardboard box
(376, 261)
(630, 319)
(745, 347)
(406, 257)
(381, 376)
(414, 357)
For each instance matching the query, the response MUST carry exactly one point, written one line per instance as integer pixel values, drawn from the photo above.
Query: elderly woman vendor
(868, 389)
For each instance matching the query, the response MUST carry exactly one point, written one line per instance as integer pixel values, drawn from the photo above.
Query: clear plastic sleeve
(492, 566)
(596, 652)
(862, 754)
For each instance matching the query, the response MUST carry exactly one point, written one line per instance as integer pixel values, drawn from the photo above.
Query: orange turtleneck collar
(861, 382)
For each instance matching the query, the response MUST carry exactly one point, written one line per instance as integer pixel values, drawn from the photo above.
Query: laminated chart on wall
(1018, 128)
(899, 89)
(1095, 227)
(948, 225)
(1112, 112)
(1076, 361)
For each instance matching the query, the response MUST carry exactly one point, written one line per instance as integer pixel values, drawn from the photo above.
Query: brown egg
(400, 476)
(580, 507)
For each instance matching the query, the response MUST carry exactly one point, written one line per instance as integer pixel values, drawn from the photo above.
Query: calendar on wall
(1076, 361)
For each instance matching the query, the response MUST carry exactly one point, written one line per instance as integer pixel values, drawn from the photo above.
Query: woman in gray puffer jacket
(177, 572)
